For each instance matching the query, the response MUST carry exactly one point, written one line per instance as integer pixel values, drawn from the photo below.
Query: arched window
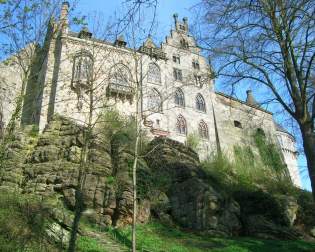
(82, 75)
(155, 101)
(203, 130)
(82, 70)
(200, 103)
(181, 126)
(120, 75)
(179, 98)
(154, 73)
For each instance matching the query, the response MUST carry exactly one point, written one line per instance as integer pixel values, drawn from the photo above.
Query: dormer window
(176, 59)
(195, 64)
(184, 44)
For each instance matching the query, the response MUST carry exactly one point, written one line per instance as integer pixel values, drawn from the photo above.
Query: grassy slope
(155, 237)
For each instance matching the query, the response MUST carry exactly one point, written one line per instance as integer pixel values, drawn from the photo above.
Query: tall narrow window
(176, 59)
(195, 64)
(203, 130)
(200, 103)
(154, 73)
(184, 44)
(181, 126)
(82, 70)
(177, 74)
(198, 80)
(155, 101)
(179, 98)
(82, 75)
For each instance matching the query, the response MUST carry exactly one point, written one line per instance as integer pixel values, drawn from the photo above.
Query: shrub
(22, 223)
(260, 203)
(306, 211)
(269, 153)
(247, 171)
(192, 141)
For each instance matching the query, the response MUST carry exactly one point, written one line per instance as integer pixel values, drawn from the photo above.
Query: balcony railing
(120, 89)
(153, 52)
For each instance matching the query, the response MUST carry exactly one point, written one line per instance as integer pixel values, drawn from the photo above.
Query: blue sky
(165, 11)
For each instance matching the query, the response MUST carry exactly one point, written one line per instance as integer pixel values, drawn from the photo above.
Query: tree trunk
(76, 220)
(308, 136)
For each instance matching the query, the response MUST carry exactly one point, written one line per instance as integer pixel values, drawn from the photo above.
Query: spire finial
(175, 16)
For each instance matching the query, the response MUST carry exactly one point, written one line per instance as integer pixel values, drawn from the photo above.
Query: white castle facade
(177, 96)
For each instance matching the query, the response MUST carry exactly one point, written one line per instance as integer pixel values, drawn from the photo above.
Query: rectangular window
(176, 59)
(177, 74)
(198, 80)
(182, 27)
(196, 65)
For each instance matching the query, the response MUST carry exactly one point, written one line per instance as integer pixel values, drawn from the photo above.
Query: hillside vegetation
(247, 204)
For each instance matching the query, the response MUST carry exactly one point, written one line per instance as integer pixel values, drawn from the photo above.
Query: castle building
(175, 82)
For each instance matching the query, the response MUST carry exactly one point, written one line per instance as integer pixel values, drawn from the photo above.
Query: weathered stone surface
(266, 216)
(174, 188)
(192, 202)
(52, 167)
(198, 206)
(259, 226)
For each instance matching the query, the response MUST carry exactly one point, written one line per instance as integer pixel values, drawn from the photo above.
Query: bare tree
(272, 44)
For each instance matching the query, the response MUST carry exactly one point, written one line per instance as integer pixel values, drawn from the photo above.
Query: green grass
(155, 237)
(87, 244)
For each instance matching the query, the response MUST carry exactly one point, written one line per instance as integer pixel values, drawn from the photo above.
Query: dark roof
(243, 102)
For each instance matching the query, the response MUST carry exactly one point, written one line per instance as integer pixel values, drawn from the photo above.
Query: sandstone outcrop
(172, 186)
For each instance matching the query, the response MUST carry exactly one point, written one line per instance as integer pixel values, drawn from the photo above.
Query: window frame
(179, 96)
(195, 64)
(181, 125)
(176, 59)
(78, 65)
(203, 130)
(117, 69)
(154, 93)
(177, 74)
(200, 100)
(157, 79)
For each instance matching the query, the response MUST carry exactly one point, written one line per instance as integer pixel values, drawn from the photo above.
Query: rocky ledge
(172, 186)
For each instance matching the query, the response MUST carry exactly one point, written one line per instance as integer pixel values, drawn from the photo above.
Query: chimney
(250, 100)
(85, 33)
(120, 41)
(64, 16)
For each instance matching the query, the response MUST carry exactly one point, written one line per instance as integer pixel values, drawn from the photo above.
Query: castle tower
(288, 147)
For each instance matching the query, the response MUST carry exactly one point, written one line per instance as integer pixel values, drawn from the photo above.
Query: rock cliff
(172, 186)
